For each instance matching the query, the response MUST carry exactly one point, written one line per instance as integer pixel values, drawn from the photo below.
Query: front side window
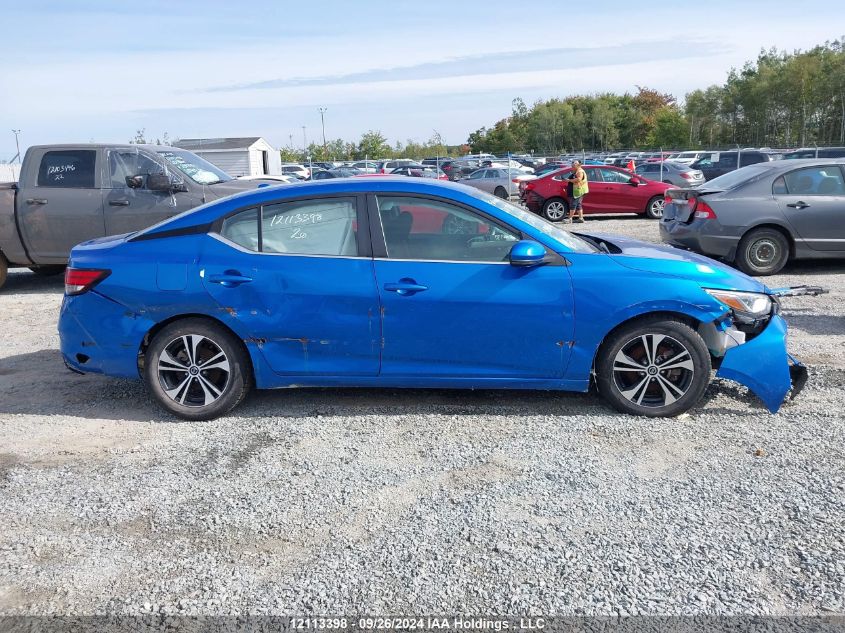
(72, 168)
(302, 227)
(197, 169)
(426, 229)
(128, 163)
(610, 175)
(812, 181)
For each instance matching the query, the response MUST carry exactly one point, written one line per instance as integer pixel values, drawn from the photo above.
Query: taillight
(685, 175)
(79, 280)
(703, 211)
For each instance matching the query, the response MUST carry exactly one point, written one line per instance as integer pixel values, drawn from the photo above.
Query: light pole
(323, 123)
(304, 140)
(17, 145)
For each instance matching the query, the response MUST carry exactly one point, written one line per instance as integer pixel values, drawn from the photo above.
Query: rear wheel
(656, 367)
(654, 208)
(762, 252)
(501, 193)
(47, 271)
(197, 370)
(555, 209)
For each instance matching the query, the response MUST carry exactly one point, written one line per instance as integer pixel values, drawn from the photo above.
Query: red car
(612, 190)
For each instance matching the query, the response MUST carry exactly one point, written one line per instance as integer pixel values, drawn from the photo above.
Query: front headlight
(747, 303)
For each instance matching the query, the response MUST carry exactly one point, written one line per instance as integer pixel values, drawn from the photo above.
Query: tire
(555, 209)
(4, 269)
(501, 193)
(48, 271)
(762, 252)
(632, 382)
(654, 208)
(174, 375)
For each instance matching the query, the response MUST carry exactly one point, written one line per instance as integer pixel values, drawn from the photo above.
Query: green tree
(373, 144)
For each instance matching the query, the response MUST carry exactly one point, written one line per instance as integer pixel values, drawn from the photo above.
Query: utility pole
(304, 140)
(17, 144)
(323, 123)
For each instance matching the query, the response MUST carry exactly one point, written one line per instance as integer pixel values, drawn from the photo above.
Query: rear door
(60, 203)
(298, 276)
(134, 208)
(813, 201)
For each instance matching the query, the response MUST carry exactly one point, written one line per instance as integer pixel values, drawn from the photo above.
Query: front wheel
(555, 209)
(762, 252)
(500, 192)
(654, 209)
(197, 370)
(656, 367)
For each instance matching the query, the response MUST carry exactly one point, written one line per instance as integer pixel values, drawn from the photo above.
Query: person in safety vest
(580, 188)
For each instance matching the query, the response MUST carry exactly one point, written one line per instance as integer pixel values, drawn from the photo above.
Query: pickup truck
(67, 194)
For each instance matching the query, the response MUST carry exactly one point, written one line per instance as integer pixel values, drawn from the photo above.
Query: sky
(88, 70)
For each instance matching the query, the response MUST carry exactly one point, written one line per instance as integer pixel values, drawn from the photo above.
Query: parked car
(420, 171)
(550, 167)
(816, 152)
(612, 190)
(297, 170)
(671, 173)
(761, 216)
(272, 178)
(386, 166)
(402, 282)
(340, 172)
(435, 161)
(720, 163)
(501, 182)
(459, 169)
(71, 193)
(688, 158)
(504, 163)
(366, 166)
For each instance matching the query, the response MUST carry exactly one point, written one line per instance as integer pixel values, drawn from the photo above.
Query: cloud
(498, 63)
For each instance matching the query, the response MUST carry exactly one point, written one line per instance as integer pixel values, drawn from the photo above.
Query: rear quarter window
(67, 168)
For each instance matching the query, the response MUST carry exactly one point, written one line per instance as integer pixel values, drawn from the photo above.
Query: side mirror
(527, 253)
(134, 182)
(162, 182)
(634, 181)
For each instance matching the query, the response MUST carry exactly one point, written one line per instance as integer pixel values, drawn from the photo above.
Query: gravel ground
(365, 501)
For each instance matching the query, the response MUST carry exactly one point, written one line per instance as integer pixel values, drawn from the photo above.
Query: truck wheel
(4, 269)
(555, 209)
(762, 252)
(197, 370)
(656, 367)
(47, 271)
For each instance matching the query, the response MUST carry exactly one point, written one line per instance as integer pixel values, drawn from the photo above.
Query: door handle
(118, 203)
(36, 200)
(229, 279)
(798, 205)
(405, 287)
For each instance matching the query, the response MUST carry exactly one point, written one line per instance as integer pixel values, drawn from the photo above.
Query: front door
(298, 278)
(134, 208)
(453, 306)
(60, 203)
(813, 201)
(620, 194)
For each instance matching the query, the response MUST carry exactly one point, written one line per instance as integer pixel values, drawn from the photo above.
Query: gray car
(761, 216)
(500, 182)
(672, 173)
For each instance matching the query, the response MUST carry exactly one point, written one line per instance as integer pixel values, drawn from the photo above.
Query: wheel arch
(155, 329)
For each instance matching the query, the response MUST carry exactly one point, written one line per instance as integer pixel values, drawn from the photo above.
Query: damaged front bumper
(764, 366)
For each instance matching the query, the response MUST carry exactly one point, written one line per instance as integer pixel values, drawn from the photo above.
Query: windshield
(197, 169)
(735, 178)
(563, 236)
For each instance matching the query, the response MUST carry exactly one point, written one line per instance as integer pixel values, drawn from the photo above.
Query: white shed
(242, 156)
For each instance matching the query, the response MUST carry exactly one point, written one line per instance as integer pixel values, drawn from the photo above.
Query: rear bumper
(707, 237)
(100, 336)
(765, 367)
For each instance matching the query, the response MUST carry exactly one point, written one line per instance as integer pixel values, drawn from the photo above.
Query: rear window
(67, 168)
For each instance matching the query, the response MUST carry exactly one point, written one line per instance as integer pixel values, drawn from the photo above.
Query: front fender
(762, 364)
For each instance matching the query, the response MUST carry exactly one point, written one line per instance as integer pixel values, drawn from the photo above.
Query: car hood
(223, 189)
(667, 260)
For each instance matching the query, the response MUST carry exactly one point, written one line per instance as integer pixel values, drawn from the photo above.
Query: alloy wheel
(193, 370)
(653, 370)
(555, 211)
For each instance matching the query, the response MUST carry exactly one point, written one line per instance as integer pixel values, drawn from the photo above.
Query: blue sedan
(401, 282)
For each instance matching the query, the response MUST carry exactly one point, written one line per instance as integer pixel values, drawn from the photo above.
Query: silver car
(761, 216)
(500, 182)
(672, 173)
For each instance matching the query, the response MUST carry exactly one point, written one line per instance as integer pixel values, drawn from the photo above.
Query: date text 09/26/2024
(411, 623)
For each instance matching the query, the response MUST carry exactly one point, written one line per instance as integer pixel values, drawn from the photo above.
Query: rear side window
(813, 181)
(67, 168)
(305, 227)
